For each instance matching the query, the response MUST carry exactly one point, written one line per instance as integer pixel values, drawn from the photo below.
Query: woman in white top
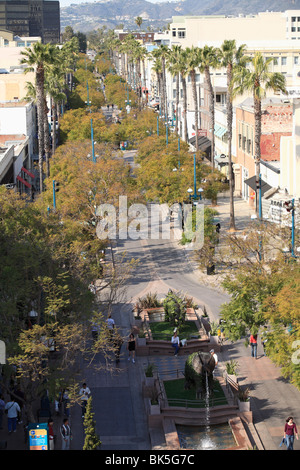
(175, 343)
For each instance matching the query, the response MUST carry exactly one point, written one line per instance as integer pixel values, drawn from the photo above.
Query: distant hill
(85, 17)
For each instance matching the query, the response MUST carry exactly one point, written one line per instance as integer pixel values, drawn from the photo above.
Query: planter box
(141, 341)
(244, 405)
(154, 409)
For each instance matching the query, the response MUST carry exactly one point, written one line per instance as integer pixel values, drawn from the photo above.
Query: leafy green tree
(91, 440)
(175, 309)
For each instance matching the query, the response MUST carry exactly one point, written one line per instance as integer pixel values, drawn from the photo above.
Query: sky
(65, 3)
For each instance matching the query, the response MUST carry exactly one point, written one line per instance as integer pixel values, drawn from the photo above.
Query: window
(276, 60)
(240, 140)
(181, 33)
(174, 33)
(244, 143)
(296, 60)
(283, 60)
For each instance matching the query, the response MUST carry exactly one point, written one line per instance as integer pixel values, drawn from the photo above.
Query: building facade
(31, 18)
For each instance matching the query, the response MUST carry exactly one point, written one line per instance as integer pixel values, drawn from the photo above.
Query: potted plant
(141, 339)
(244, 399)
(149, 375)
(231, 370)
(154, 402)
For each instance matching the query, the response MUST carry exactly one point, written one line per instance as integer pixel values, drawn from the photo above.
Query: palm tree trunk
(177, 100)
(184, 108)
(54, 114)
(211, 114)
(40, 116)
(46, 138)
(194, 90)
(257, 118)
(164, 88)
(229, 133)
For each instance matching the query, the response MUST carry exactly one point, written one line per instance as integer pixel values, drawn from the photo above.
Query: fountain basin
(216, 437)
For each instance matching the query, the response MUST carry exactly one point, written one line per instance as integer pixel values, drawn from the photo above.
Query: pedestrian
(253, 344)
(51, 434)
(110, 322)
(213, 354)
(66, 435)
(290, 431)
(95, 331)
(131, 347)
(2, 408)
(66, 402)
(175, 342)
(85, 394)
(12, 409)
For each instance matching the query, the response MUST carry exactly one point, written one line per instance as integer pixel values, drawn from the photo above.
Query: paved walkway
(117, 395)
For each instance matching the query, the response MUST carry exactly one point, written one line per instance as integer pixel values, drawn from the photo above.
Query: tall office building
(31, 18)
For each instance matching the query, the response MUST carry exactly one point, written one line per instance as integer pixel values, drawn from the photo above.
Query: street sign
(38, 436)
(202, 132)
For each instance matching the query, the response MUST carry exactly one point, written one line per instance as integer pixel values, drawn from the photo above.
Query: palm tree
(208, 60)
(231, 57)
(139, 21)
(258, 80)
(183, 69)
(38, 58)
(174, 69)
(193, 61)
(162, 53)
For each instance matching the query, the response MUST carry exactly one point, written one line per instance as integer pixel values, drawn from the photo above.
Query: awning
(252, 183)
(203, 142)
(28, 172)
(24, 181)
(220, 131)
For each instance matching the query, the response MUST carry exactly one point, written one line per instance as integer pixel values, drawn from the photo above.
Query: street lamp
(197, 194)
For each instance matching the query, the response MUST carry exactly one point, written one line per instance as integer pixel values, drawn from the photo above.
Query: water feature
(217, 437)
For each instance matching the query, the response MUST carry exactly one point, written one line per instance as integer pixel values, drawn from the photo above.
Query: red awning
(28, 172)
(24, 182)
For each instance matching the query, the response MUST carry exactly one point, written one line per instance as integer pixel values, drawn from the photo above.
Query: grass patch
(175, 391)
(164, 330)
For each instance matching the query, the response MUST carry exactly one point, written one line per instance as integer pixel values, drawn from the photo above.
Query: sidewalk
(117, 397)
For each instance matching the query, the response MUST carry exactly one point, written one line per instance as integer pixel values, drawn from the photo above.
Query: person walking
(253, 344)
(66, 435)
(290, 431)
(51, 434)
(12, 408)
(131, 347)
(85, 394)
(175, 343)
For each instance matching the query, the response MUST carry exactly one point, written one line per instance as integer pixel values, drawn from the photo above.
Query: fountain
(199, 369)
(198, 373)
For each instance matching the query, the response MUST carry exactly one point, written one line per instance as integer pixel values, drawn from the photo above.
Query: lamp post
(290, 207)
(197, 194)
(93, 143)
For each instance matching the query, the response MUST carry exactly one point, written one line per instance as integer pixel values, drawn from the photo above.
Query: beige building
(12, 77)
(290, 156)
(265, 26)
